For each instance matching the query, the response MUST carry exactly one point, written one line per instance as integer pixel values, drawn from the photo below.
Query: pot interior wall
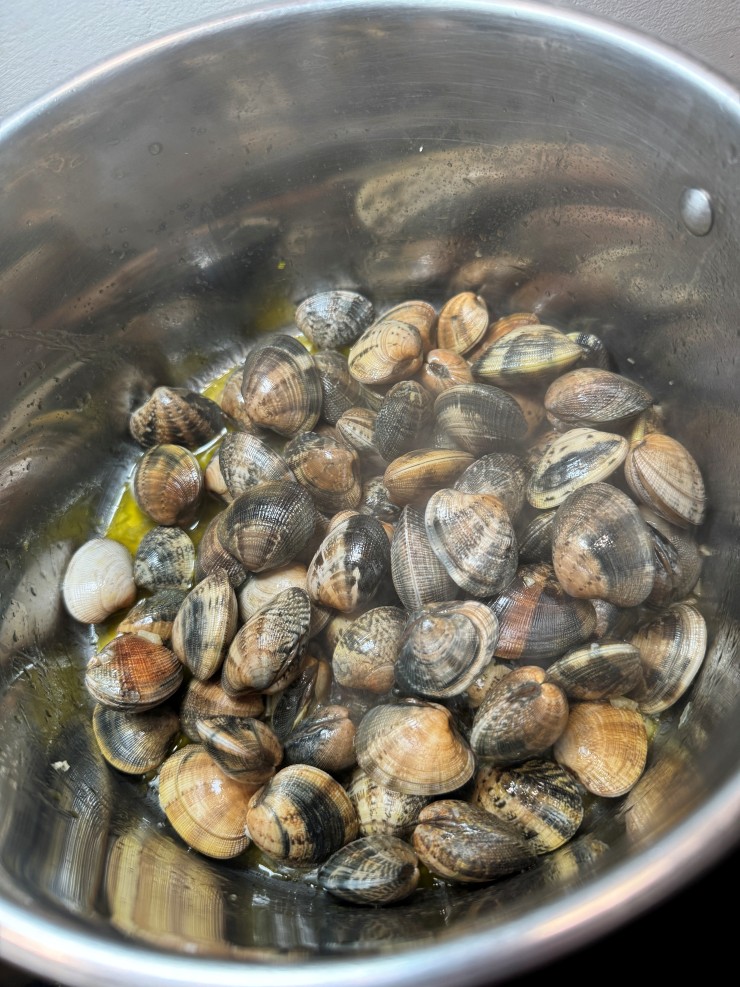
(161, 217)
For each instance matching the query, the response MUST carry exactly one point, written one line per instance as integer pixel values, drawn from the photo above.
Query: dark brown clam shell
(372, 870)
(419, 576)
(332, 319)
(324, 739)
(301, 816)
(462, 842)
(329, 470)
(539, 798)
(537, 619)
(350, 564)
(600, 670)
(177, 416)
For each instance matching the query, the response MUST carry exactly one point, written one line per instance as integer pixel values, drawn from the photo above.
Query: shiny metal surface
(164, 209)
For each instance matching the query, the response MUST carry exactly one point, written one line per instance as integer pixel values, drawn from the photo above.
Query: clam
(500, 327)
(312, 686)
(356, 428)
(443, 369)
(99, 580)
(339, 388)
(601, 547)
(204, 700)
(672, 647)
(246, 749)
(531, 406)
(154, 614)
(473, 537)
(534, 536)
(211, 555)
(402, 419)
(445, 648)
(232, 402)
(324, 738)
(205, 625)
(135, 742)
(502, 474)
(246, 461)
(260, 588)
(419, 314)
(165, 556)
(365, 654)
(462, 322)
(419, 577)
(413, 746)
(528, 354)
(203, 805)
(521, 716)
(595, 353)
(168, 484)
(371, 870)
(268, 525)
(574, 459)
(601, 670)
(605, 747)
(613, 621)
(269, 646)
(478, 417)
(464, 843)
(678, 560)
(376, 500)
(281, 386)
(387, 352)
(591, 397)
(539, 798)
(133, 673)
(301, 816)
(382, 810)
(350, 564)
(329, 470)
(213, 479)
(537, 619)
(414, 476)
(176, 416)
(663, 474)
(333, 319)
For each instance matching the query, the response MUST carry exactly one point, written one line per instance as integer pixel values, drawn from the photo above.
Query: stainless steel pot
(160, 211)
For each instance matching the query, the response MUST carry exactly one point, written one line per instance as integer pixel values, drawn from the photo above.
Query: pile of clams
(416, 607)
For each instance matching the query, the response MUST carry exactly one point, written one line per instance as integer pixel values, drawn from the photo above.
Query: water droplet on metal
(697, 212)
(155, 148)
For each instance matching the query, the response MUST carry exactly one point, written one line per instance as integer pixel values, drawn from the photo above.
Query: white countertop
(43, 43)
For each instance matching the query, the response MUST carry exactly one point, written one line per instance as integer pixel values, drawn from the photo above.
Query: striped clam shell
(165, 556)
(387, 352)
(528, 354)
(332, 319)
(479, 417)
(365, 654)
(473, 537)
(281, 386)
(246, 461)
(350, 565)
(205, 625)
(464, 843)
(419, 576)
(539, 798)
(578, 457)
(371, 870)
(589, 396)
(301, 816)
(663, 474)
(176, 415)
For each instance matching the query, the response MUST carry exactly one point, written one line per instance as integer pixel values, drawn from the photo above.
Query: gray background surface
(43, 43)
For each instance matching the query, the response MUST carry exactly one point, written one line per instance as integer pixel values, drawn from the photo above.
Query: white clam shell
(99, 580)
